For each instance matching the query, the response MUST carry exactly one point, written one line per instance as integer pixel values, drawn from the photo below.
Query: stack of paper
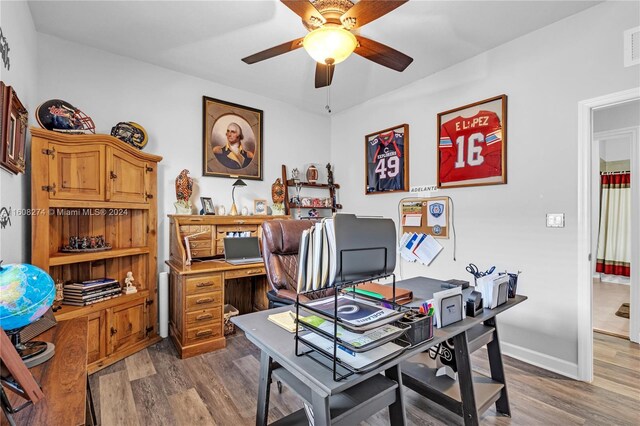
(489, 286)
(286, 320)
(317, 257)
(421, 248)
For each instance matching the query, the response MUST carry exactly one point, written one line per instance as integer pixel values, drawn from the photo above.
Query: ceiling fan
(330, 39)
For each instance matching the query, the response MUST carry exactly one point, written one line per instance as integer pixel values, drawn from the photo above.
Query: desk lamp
(234, 209)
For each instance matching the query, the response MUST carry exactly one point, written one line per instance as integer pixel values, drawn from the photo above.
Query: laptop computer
(241, 250)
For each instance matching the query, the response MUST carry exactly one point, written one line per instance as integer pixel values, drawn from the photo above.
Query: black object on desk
(457, 283)
(474, 304)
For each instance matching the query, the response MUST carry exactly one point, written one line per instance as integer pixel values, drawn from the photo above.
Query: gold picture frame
(386, 156)
(472, 144)
(231, 140)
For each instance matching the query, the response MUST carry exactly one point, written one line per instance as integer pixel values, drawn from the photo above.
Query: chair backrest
(280, 245)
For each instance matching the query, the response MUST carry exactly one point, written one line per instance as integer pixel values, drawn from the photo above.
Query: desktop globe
(26, 293)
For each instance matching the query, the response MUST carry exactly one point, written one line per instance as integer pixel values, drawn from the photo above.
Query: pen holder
(513, 285)
(421, 327)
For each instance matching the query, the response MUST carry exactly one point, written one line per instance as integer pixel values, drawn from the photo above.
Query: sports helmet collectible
(131, 133)
(61, 116)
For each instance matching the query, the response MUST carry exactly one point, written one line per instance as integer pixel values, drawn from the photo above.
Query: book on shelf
(90, 302)
(92, 295)
(356, 312)
(87, 292)
(357, 340)
(357, 360)
(91, 284)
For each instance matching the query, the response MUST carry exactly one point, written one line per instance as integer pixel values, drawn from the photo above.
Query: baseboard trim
(541, 360)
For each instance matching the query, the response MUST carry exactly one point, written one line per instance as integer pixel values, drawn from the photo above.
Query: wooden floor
(155, 387)
(607, 298)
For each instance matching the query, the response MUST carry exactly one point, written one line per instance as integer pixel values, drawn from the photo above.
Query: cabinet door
(76, 172)
(127, 324)
(97, 337)
(126, 177)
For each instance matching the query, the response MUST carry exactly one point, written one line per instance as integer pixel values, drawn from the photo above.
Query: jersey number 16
(473, 151)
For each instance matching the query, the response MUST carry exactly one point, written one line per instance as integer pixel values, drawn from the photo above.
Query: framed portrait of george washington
(472, 144)
(231, 140)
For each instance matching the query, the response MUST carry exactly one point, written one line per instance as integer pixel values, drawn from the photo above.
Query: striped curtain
(614, 239)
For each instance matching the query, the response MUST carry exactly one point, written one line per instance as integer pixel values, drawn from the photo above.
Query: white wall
(545, 74)
(615, 149)
(18, 28)
(112, 88)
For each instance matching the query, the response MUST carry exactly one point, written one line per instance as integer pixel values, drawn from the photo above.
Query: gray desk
(356, 397)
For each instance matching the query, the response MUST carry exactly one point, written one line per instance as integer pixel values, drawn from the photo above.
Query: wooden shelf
(69, 258)
(295, 206)
(94, 205)
(69, 311)
(290, 182)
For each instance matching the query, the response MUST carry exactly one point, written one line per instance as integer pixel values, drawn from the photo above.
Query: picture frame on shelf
(472, 143)
(207, 206)
(387, 160)
(13, 131)
(260, 207)
(231, 140)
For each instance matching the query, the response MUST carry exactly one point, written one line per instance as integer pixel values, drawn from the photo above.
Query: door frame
(587, 151)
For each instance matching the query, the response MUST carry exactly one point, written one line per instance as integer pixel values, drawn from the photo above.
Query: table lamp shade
(26, 293)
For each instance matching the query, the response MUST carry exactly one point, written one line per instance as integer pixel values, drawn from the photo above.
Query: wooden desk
(333, 400)
(63, 379)
(199, 288)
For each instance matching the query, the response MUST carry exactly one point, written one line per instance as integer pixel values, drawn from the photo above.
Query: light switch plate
(555, 220)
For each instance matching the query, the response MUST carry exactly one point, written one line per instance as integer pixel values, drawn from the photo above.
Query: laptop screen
(241, 248)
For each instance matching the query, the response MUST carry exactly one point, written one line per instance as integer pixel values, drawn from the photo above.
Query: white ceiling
(208, 39)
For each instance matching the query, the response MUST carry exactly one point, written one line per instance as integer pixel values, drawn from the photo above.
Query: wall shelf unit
(90, 185)
(291, 183)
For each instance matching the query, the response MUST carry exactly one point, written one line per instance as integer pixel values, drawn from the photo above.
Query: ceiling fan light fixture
(329, 44)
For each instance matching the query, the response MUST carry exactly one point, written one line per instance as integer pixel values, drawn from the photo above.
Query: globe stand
(32, 353)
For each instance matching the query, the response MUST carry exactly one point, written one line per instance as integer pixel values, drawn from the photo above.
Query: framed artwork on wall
(387, 160)
(13, 131)
(231, 140)
(472, 144)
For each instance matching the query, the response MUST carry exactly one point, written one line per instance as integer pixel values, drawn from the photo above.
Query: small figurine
(329, 175)
(59, 291)
(295, 175)
(313, 213)
(184, 188)
(244, 211)
(129, 287)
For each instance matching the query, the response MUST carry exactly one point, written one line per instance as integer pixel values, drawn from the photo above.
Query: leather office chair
(280, 245)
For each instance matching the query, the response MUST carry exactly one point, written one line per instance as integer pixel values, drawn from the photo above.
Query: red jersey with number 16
(471, 148)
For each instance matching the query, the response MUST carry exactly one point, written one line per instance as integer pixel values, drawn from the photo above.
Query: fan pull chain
(328, 107)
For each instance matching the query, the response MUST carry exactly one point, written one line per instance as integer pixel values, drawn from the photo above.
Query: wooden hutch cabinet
(89, 185)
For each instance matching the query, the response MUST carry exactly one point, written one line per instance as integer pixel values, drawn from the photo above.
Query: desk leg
(397, 414)
(264, 385)
(497, 369)
(321, 412)
(465, 380)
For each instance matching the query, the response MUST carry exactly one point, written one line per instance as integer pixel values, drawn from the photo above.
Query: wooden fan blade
(305, 10)
(381, 54)
(274, 51)
(324, 74)
(366, 11)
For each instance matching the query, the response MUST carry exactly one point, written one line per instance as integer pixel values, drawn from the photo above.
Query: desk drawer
(187, 230)
(204, 316)
(204, 252)
(203, 284)
(248, 272)
(200, 244)
(199, 302)
(204, 332)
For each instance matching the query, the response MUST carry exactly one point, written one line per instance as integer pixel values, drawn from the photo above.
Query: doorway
(588, 210)
(614, 131)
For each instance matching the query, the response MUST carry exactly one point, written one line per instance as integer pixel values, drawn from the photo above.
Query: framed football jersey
(387, 160)
(472, 142)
